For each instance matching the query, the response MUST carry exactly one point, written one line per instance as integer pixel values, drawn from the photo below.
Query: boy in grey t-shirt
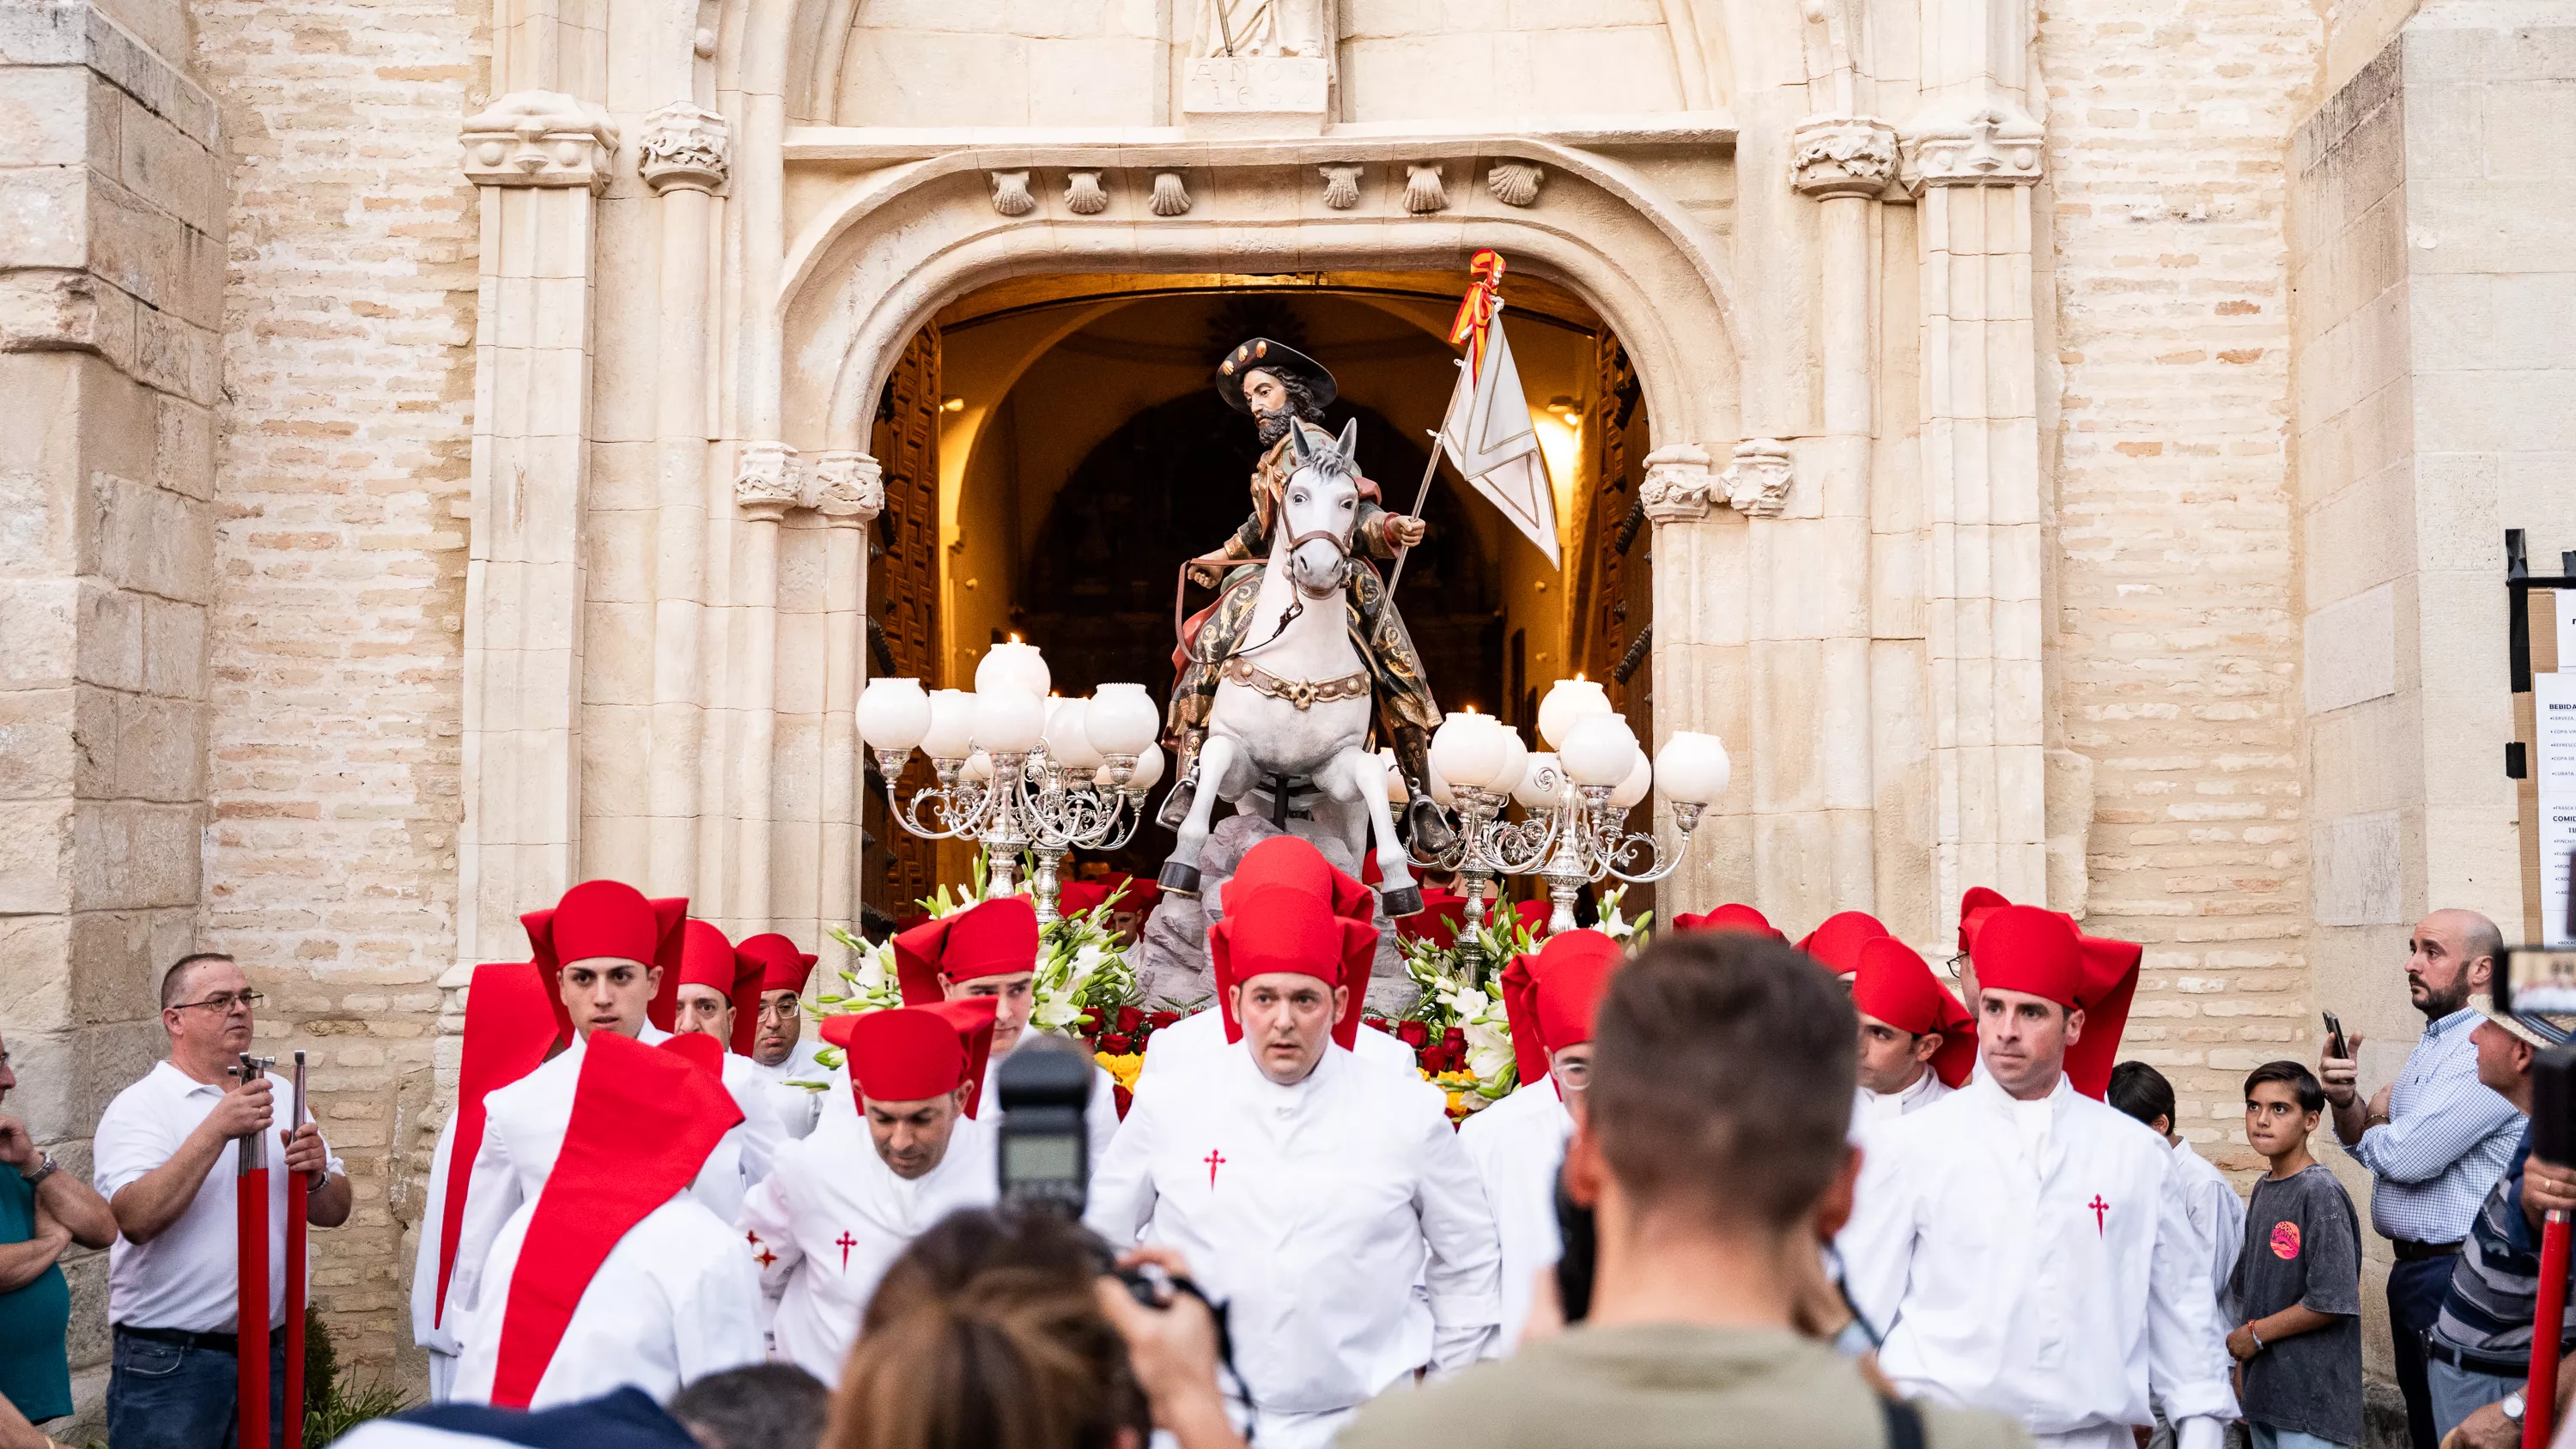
(2298, 1279)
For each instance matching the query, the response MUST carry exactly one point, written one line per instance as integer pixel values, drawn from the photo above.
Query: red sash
(509, 1028)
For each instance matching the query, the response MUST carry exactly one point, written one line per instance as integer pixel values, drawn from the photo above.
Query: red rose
(1457, 1037)
(1123, 1097)
(1128, 1017)
(1163, 1019)
(1115, 1043)
(1415, 1034)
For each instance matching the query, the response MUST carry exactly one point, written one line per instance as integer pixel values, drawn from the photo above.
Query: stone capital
(1842, 156)
(1677, 484)
(684, 147)
(539, 138)
(1757, 482)
(769, 482)
(1997, 143)
(849, 487)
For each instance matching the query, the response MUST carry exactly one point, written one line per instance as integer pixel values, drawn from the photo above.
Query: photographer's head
(987, 952)
(988, 1334)
(916, 1070)
(764, 1406)
(1712, 1132)
(1286, 963)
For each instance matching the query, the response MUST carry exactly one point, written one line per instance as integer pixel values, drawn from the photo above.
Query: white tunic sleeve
(2186, 1347)
(1121, 1199)
(491, 1196)
(716, 1322)
(761, 1129)
(1100, 1115)
(1465, 1267)
(428, 1329)
(1877, 1245)
(769, 1230)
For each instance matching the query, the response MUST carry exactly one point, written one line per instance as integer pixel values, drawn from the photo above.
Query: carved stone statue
(1263, 28)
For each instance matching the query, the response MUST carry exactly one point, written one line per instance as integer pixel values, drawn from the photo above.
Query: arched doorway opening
(1054, 451)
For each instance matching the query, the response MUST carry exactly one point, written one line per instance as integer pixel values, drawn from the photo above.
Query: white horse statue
(1292, 706)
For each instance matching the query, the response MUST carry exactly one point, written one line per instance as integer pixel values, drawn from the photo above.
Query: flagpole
(1422, 495)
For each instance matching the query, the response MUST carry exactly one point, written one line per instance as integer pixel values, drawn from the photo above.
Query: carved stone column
(767, 484)
(1845, 162)
(682, 154)
(1702, 653)
(1972, 178)
(849, 491)
(540, 159)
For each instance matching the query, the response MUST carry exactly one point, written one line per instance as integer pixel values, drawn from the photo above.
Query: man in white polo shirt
(165, 1160)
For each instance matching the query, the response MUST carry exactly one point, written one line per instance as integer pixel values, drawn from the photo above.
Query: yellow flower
(1123, 1068)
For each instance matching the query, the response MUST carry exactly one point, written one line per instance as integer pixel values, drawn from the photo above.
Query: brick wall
(337, 628)
(2177, 627)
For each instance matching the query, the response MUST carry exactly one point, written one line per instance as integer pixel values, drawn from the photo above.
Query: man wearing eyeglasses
(165, 1161)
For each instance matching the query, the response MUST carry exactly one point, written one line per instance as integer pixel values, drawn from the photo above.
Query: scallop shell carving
(1513, 183)
(1011, 193)
(1082, 194)
(1341, 186)
(1170, 197)
(1423, 192)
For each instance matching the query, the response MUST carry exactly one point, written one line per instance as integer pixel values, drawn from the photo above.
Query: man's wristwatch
(45, 1168)
(2511, 1406)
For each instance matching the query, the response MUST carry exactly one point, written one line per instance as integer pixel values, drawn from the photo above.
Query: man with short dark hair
(163, 1157)
(765, 1406)
(2434, 1140)
(1709, 1147)
(2026, 1248)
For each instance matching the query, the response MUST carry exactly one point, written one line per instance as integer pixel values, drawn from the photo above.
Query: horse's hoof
(1183, 880)
(1406, 902)
(1176, 805)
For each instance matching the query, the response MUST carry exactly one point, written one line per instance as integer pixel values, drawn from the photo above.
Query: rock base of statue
(1172, 958)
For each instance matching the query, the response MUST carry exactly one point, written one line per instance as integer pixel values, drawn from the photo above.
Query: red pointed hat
(1134, 894)
(1076, 897)
(998, 937)
(642, 1124)
(708, 959)
(508, 1031)
(1551, 995)
(1835, 944)
(1442, 917)
(1282, 929)
(1286, 860)
(2103, 978)
(608, 918)
(1896, 986)
(1534, 916)
(913, 1053)
(782, 966)
(1730, 918)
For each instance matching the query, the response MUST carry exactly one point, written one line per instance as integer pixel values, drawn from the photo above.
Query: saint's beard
(1272, 426)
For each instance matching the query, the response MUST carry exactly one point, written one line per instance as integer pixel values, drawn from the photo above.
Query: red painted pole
(250, 1199)
(2540, 1396)
(297, 1190)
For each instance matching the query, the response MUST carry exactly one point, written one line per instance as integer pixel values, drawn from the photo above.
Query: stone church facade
(443, 455)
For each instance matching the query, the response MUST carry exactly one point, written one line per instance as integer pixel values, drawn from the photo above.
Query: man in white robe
(841, 1205)
(614, 1276)
(779, 1046)
(614, 947)
(1518, 1143)
(989, 951)
(1307, 1189)
(1198, 1039)
(719, 996)
(509, 1028)
(2023, 1247)
(1917, 1043)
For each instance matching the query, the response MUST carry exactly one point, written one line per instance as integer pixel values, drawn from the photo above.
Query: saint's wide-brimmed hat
(1260, 354)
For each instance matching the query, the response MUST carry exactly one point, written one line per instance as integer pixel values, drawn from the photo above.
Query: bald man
(2434, 1139)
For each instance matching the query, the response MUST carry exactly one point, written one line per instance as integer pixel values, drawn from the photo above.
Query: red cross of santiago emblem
(1214, 1160)
(2100, 1209)
(845, 1243)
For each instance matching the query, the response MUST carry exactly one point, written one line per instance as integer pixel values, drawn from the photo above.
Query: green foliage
(332, 1404)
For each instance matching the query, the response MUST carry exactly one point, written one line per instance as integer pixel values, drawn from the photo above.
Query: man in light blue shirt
(2435, 1140)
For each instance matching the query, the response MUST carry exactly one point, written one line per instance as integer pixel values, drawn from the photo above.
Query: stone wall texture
(337, 630)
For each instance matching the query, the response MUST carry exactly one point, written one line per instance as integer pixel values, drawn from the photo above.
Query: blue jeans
(2267, 1437)
(173, 1396)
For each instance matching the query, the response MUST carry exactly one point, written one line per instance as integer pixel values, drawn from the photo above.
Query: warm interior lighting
(952, 405)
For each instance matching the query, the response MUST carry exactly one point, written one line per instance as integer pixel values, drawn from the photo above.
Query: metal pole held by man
(298, 1191)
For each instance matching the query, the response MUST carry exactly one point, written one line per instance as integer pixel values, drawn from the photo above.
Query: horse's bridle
(1341, 550)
